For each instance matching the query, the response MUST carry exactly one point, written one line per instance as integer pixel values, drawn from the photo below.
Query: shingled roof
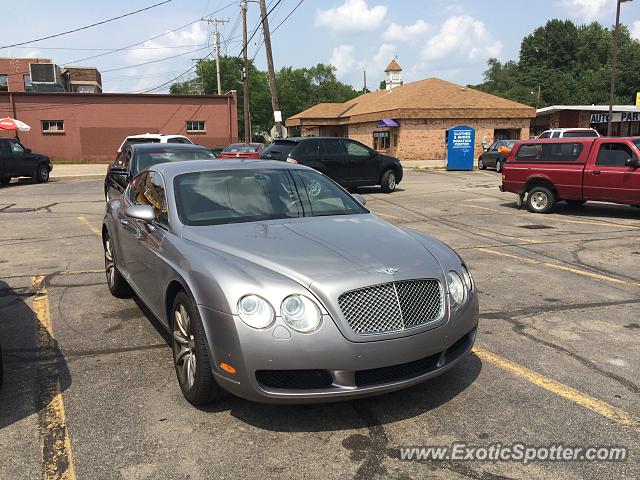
(393, 66)
(429, 98)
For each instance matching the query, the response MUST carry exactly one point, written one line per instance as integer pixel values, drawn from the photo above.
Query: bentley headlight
(255, 311)
(300, 313)
(457, 289)
(466, 276)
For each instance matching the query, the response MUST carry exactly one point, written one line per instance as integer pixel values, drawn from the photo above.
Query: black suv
(138, 156)
(348, 162)
(18, 161)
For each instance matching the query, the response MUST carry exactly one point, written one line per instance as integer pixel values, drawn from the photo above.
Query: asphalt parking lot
(90, 390)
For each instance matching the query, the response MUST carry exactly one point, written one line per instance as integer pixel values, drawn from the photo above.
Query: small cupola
(394, 74)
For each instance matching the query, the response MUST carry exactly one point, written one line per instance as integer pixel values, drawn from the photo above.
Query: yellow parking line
(55, 443)
(92, 227)
(82, 272)
(595, 222)
(601, 408)
(577, 271)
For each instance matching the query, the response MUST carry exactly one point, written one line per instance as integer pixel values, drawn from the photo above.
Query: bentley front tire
(190, 355)
(118, 286)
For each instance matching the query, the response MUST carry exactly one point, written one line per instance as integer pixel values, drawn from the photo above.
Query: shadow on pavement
(590, 209)
(31, 359)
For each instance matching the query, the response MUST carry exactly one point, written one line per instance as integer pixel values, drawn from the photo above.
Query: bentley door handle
(595, 172)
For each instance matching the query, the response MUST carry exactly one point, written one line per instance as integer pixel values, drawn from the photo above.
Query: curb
(75, 177)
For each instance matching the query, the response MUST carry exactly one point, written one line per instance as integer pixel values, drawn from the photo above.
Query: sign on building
(616, 118)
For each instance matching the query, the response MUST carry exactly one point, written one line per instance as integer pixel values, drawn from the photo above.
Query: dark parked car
(136, 157)
(346, 161)
(242, 150)
(493, 157)
(18, 161)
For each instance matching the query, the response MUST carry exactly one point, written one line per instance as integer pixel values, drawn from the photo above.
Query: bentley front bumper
(277, 365)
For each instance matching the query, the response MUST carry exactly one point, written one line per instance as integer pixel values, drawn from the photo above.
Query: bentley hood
(352, 250)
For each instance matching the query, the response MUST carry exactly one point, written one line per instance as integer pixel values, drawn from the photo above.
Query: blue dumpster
(460, 147)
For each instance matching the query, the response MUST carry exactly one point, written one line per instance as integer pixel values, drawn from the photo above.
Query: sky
(449, 39)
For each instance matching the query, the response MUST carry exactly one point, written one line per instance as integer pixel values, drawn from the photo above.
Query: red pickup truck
(573, 170)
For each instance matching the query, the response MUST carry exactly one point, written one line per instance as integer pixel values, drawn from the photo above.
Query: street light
(614, 59)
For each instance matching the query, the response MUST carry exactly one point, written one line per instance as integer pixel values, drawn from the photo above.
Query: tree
(571, 65)
(299, 89)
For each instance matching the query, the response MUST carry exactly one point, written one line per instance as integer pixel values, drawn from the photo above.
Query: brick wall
(424, 139)
(95, 124)
(16, 68)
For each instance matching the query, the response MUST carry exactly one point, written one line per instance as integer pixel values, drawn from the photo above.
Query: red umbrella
(12, 124)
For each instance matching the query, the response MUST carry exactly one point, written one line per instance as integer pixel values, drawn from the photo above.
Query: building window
(84, 89)
(52, 126)
(381, 140)
(28, 86)
(4, 83)
(194, 126)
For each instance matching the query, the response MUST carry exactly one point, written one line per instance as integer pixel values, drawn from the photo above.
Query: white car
(154, 138)
(569, 132)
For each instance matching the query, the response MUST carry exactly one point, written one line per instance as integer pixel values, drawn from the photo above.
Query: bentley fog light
(255, 311)
(457, 288)
(300, 313)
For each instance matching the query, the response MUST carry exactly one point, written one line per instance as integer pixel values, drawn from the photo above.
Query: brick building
(91, 126)
(409, 120)
(625, 120)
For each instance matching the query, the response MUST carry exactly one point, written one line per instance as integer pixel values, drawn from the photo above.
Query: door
(140, 241)
(610, 178)
(149, 266)
(5, 150)
(118, 176)
(491, 155)
(18, 162)
(333, 160)
(308, 153)
(363, 162)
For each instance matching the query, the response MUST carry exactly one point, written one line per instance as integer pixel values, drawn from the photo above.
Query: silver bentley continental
(277, 285)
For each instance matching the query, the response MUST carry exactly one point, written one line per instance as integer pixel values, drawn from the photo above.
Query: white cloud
(156, 49)
(408, 33)
(589, 9)
(351, 16)
(342, 58)
(350, 68)
(462, 38)
(635, 30)
(382, 58)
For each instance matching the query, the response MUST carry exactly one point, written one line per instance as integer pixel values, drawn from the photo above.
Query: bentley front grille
(393, 307)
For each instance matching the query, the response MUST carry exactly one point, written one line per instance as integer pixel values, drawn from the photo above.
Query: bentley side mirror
(631, 162)
(361, 200)
(141, 212)
(27, 150)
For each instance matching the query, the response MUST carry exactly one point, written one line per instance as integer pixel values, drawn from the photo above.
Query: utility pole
(364, 73)
(245, 74)
(216, 40)
(614, 61)
(275, 103)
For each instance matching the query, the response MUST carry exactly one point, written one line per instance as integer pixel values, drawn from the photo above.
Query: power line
(148, 39)
(154, 61)
(87, 26)
(257, 28)
(277, 27)
(170, 81)
(109, 49)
